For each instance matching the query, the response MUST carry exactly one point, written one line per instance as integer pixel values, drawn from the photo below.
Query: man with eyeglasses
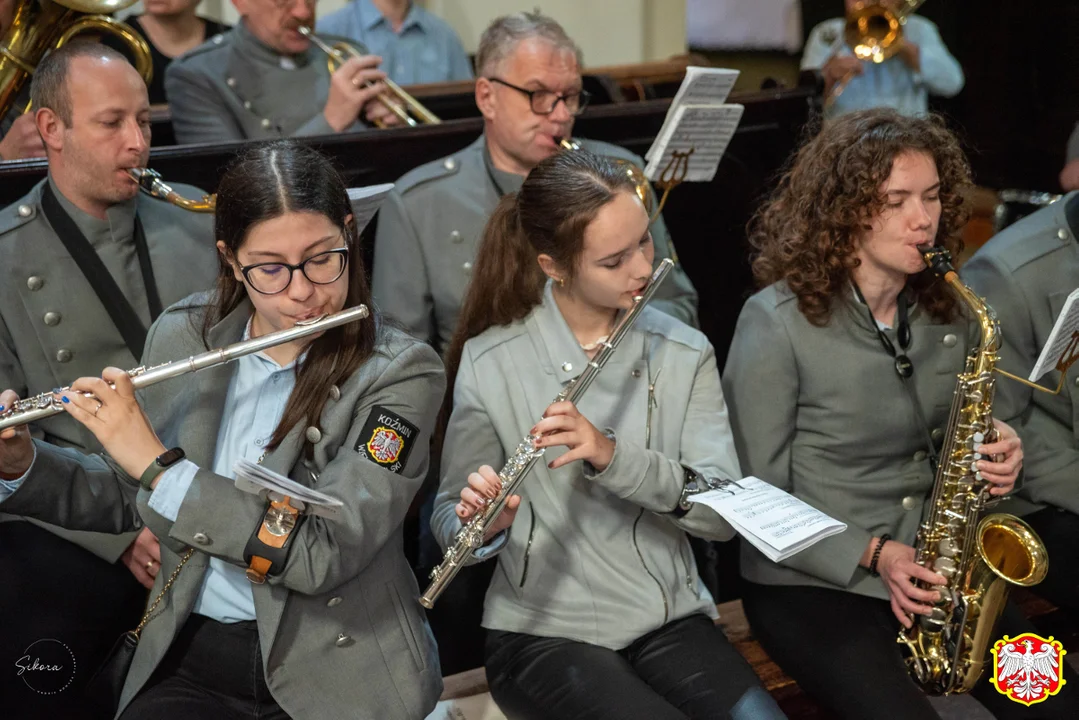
(86, 264)
(529, 92)
(265, 79)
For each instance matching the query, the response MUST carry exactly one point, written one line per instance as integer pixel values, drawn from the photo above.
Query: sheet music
(255, 479)
(366, 202)
(775, 522)
(704, 129)
(700, 86)
(1064, 329)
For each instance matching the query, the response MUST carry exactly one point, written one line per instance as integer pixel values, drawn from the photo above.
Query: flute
(47, 404)
(470, 537)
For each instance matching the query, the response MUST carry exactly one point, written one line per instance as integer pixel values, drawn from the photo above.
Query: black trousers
(841, 649)
(685, 669)
(1059, 530)
(212, 671)
(64, 607)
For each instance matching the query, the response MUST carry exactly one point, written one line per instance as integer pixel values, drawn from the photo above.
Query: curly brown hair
(806, 233)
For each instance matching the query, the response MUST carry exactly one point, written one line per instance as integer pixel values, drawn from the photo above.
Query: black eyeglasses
(271, 278)
(543, 102)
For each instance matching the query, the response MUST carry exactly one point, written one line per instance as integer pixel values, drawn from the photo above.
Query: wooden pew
(455, 100)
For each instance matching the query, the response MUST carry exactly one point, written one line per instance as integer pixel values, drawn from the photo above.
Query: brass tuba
(399, 102)
(874, 32)
(39, 26)
(981, 556)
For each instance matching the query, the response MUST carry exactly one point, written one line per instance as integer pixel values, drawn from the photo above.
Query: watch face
(170, 456)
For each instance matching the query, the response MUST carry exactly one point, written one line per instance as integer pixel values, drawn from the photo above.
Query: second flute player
(596, 609)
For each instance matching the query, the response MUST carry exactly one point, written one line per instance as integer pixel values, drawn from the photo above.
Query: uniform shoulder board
(444, 167)
(17, 214)
(218, 41)
(387, 439)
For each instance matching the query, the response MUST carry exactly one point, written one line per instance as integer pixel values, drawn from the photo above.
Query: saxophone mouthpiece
(937, 259)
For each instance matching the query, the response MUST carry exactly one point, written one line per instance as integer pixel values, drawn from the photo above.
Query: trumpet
(46, 404)
(150, 182)
(470, 537)
(396, 100)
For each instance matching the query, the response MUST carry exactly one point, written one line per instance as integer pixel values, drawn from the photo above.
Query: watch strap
(268, 547)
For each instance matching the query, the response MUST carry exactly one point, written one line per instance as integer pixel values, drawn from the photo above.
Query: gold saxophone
(981, 556)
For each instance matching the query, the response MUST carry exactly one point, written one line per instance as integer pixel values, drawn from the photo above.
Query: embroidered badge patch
(1028, 668)
(387, 439)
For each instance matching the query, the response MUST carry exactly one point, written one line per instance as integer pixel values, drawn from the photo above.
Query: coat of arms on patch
(1028, 668)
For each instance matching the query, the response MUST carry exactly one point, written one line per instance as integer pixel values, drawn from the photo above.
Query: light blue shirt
(426, 50)
(891, 83)
(254, 406)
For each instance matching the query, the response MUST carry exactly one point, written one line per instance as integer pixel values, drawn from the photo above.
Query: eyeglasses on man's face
(270, 278)
(543, 102)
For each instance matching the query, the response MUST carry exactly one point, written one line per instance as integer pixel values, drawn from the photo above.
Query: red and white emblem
(385, 445)
(1028, 668)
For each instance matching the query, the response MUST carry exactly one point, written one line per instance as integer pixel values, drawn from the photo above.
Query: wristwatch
(159, 465)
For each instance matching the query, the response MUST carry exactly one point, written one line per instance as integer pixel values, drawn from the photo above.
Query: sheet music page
(1064, 329)
(366, 202)
(254, 478)
(704, 129)
(700, 86)
(776, 522)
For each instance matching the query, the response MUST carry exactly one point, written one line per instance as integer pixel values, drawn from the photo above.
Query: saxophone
(980, 556)
(470, 537)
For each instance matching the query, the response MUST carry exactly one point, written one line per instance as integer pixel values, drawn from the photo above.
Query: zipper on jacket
(662, 592)
(651, 404)
(528, 545)
(685, 562)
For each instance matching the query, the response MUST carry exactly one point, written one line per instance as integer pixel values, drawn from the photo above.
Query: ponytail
(507, 284)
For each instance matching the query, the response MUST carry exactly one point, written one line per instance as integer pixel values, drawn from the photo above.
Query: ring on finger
(150, 565)
(99, 405)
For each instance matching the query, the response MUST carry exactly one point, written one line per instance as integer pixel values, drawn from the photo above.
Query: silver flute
(47, 404)
(470, 537)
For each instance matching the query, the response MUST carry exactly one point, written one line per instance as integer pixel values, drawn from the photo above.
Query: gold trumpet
(396, 100)
(150, 182)
(875, 33)
(39, 26)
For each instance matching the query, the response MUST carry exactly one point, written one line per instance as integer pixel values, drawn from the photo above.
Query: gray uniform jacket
(341, 629)
(54, 330)
(233, 87)
(594, 557)
(431, 224)
(822, 414)
(1026, 273)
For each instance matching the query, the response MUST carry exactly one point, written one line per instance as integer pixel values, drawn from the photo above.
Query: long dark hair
(548, 215)
(806, 232)
(266, 181)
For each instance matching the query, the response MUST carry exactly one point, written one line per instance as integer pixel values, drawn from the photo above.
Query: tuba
(396, 100)
(39, 26)
(982, 556)
(874, 32)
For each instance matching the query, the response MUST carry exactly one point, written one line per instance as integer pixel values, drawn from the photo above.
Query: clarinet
(46, 404)
(470, 537)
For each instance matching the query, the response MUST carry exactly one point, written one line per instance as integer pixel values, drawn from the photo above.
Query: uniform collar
(118, 225)
(504, 182)
(370, 17)
(252, 47)
(565, 358)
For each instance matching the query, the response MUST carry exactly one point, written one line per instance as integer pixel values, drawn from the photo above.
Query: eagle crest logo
(1028, 668)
